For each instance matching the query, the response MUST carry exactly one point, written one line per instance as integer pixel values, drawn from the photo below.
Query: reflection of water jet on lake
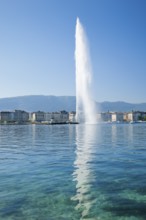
(83, 174)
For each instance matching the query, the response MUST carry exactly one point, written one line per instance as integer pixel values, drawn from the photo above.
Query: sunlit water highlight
(73, 172)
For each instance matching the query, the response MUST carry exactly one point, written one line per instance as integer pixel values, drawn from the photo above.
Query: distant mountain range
(58, 103)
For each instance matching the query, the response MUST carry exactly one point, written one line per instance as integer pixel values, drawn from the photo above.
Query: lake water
(73, 172)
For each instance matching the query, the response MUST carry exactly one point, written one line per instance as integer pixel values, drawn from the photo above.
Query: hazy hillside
(57, 103)
(40, 102)
(122, 106)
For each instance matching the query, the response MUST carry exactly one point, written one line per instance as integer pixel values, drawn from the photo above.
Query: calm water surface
(73, 172)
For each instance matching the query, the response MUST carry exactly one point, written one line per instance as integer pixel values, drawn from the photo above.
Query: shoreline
(69, 123)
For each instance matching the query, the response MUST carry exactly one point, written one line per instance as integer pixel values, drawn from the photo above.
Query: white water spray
(85, 106)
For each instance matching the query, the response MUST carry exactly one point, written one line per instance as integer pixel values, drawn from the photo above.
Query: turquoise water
(72, 172)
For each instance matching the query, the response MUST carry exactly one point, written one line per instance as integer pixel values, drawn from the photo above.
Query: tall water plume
(85, 106)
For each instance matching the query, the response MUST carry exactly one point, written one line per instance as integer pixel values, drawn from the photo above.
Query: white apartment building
(50, 117)
(38, 116)
(117, 116)
(59, 117)
(72, 116)
(64, 116)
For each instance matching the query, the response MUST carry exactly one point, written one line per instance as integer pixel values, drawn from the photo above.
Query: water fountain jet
(85, 106)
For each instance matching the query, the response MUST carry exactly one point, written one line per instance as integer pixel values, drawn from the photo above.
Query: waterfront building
(21, 116)
(106, 116)
(47, 116)
(50, 117)
(38, 116)
(72, 116)
(60, 117)
(133, 116)
(117, 116)
(55, 117)
(7, 116)
(64, 116)
(16, 116)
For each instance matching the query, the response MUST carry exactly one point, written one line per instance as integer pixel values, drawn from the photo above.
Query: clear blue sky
(37, 47)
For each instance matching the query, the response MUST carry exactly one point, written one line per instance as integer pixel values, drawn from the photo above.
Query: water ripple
(73, 172)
